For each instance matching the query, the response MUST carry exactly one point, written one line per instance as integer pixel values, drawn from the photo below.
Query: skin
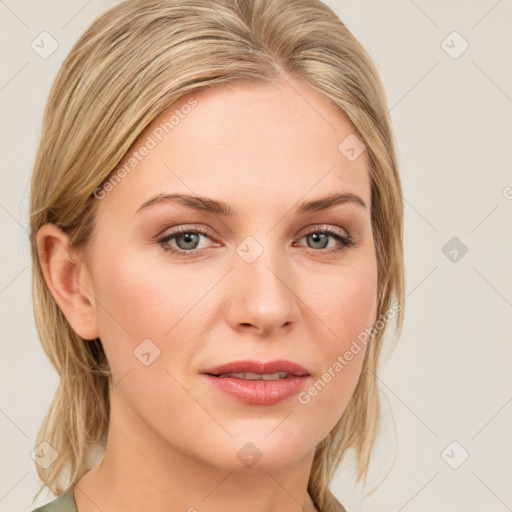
(173, 439)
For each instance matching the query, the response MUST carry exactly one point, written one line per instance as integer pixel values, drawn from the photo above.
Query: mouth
(258, 370)
(258, 383)
(254, 376)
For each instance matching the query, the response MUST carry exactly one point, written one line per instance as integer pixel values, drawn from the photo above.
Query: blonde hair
(134, 61)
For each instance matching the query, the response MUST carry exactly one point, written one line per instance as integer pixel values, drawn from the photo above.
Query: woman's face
(265, 283)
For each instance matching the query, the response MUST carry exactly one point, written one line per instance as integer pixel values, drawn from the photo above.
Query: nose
(262, 297)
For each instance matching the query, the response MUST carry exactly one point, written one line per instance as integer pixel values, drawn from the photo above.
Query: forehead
(243, 142)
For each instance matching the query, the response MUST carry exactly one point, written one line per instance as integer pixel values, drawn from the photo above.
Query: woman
(216, 233)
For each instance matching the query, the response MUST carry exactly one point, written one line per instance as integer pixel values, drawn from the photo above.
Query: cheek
(345, 302)
(142, 316)
(142, 296)
(139, 301)
(130, 300)
(347, 308)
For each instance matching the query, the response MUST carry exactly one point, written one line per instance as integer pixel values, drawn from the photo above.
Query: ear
(68, 280)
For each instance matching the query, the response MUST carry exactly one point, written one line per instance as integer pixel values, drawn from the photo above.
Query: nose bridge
(263, 284)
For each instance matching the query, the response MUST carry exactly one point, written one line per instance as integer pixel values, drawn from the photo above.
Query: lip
(259, 392)
(252, 366)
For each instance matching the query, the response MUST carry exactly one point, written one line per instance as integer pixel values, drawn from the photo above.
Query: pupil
(189, 239)
(317, 237)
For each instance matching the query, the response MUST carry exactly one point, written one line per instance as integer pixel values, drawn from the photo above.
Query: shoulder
(63, 503)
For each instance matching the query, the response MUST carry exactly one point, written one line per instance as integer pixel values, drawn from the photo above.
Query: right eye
(186, 240)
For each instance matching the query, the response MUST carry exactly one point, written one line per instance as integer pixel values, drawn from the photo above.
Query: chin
(259, 453)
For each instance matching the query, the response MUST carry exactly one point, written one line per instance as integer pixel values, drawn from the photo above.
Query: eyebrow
(226, 210)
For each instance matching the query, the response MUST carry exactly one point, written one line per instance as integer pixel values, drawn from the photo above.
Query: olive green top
(63, 503)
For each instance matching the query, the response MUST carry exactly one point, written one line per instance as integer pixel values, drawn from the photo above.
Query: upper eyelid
(208, 230)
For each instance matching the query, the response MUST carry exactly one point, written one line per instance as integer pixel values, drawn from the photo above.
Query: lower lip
(259, 392)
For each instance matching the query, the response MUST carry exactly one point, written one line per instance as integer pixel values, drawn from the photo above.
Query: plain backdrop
(447, 70)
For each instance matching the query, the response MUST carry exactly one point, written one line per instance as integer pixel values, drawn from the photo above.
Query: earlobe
(67, 278)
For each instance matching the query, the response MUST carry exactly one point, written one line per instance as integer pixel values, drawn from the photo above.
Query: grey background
(449, 379)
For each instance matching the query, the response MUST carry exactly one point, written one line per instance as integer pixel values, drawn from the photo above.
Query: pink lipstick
(258, 383)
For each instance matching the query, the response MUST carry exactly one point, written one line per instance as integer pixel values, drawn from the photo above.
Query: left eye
(187, 240)
(320, 239)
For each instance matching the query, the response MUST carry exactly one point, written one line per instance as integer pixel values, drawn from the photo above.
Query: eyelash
(345, 241)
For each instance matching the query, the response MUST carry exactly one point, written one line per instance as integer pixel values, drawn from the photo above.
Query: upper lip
(260, 367)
